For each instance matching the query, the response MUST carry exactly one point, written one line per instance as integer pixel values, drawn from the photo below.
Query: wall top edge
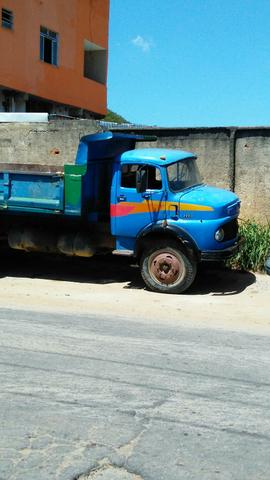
(23, 117)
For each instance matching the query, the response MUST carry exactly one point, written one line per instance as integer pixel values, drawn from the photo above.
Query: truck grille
(230, 229)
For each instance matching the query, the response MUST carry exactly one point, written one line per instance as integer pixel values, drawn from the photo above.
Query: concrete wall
(233, 158)
(252, 172)
(52, 143)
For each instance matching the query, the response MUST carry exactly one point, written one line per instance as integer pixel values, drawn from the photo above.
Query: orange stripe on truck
(131, 208)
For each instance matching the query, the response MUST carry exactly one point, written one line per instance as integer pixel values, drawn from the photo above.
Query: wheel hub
(166, 268)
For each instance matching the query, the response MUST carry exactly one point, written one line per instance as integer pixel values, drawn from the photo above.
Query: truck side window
(128, 177)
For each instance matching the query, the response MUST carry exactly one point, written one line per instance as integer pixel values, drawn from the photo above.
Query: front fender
(163, 229)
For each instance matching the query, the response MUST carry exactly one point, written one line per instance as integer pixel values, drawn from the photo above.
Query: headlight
(219, 235)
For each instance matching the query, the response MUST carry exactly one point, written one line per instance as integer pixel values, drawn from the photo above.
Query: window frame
(139, 165)
(7, 23)
(186, 162)
(53, 37)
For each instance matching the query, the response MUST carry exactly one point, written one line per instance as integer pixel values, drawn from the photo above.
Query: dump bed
(32, 191)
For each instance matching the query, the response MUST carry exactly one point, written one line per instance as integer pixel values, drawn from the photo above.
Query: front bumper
(216, 255)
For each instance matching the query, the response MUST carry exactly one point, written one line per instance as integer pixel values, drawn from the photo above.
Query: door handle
(121, 198)
(174, 211)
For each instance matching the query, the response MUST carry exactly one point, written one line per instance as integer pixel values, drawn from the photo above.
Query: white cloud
(142, 43)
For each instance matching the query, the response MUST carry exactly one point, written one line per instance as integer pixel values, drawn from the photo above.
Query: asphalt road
(86, 397)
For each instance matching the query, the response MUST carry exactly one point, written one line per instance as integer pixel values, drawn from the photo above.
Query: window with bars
(48, 46)
(7, 18)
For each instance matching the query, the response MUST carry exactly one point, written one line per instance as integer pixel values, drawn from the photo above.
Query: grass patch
(253, 254)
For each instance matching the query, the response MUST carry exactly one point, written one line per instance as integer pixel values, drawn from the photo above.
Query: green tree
(114, 117)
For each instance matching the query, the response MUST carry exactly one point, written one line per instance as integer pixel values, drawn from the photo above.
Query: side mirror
(141, 180)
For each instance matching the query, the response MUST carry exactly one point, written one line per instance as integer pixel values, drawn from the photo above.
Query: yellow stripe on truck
(198, 208)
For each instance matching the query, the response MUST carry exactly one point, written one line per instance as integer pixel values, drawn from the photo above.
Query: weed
(253, 253)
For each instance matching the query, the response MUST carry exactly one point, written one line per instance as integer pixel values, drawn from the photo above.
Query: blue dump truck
(116, 198)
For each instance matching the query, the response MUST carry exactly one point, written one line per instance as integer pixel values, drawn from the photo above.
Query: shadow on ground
(103, 269)
(219, 280)
(108, 269)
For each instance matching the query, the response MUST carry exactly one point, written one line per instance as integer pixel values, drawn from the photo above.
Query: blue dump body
(31, 192)
(151, 199)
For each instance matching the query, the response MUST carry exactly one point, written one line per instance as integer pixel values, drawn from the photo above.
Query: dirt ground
(112, 285)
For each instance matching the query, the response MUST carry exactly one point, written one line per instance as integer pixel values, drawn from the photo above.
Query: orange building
(53, 56)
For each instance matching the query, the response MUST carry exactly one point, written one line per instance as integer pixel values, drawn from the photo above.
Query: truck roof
(123, 146)
(107, 144)
(160, 156)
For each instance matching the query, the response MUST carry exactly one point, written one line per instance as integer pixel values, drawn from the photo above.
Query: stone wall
(52, 143)
(252, 172)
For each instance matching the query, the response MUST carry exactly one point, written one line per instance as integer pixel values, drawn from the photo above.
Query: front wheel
(166, 269)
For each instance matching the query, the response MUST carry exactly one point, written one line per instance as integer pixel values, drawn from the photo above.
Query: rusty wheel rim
(166, 268)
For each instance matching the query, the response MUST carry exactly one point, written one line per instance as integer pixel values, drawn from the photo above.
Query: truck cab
(163, 213)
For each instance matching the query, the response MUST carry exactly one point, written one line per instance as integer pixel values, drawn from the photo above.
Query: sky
(190, 63)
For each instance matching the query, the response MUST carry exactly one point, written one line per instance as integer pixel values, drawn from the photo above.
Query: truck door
(133, 211)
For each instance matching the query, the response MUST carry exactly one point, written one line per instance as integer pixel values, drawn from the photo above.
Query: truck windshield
(183, 174)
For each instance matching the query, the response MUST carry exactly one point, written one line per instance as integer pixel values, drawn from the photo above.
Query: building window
(48, 46)
(7, 18)
(95, 62)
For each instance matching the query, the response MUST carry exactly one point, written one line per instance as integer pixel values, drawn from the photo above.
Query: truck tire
(166, 269)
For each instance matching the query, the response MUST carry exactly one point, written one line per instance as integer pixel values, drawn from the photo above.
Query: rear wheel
(166, 268)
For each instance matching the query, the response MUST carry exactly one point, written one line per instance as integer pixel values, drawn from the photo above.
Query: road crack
(105, 469)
